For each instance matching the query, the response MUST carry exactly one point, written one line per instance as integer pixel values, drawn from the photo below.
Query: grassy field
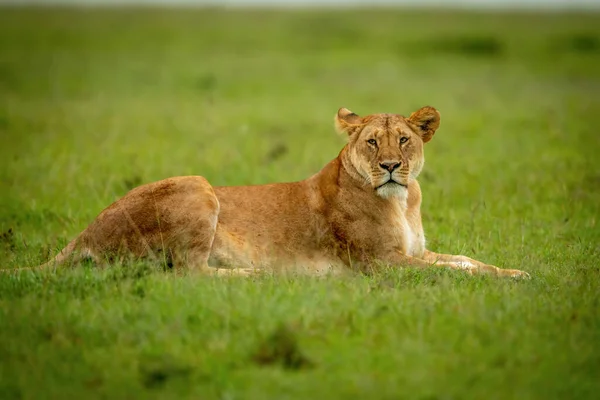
(95, 102)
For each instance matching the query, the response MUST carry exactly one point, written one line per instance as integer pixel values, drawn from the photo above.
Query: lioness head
(387, 149)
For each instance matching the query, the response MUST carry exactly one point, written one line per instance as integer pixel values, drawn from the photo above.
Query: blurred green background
(95, 101)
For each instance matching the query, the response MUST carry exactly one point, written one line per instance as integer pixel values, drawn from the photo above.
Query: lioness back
(273, 224)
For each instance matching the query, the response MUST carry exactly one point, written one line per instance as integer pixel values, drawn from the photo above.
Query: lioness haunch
(360, 212)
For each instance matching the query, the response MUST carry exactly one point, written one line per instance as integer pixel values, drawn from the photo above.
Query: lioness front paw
(514, 273)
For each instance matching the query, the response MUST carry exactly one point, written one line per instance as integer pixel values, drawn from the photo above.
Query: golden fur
(360, 212)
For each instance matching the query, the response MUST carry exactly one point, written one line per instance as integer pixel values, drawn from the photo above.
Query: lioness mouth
(392, 182)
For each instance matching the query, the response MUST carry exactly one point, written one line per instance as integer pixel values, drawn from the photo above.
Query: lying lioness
(360, 212)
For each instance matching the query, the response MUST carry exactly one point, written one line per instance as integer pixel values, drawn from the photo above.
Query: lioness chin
(360, 212)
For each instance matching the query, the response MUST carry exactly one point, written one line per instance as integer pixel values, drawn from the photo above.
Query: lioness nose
(390, 165)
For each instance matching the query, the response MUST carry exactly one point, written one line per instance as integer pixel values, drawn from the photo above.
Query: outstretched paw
(514, 273)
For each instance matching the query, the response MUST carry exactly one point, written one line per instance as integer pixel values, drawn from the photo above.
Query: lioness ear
(346, 121)
(425, 121)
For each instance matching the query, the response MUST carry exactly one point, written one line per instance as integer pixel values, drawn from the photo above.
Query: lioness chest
(407, 229)
(414, 239)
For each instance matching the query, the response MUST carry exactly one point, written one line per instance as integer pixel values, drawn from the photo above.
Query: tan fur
(360, 212)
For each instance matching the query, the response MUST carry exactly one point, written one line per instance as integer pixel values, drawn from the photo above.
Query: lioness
(360, 212)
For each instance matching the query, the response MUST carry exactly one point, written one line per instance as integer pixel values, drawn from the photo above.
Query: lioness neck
(341, 186)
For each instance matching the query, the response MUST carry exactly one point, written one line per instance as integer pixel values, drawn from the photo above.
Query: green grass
(94, 102)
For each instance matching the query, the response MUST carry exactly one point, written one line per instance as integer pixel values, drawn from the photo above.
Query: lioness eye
(403, 140)
(372, 141)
